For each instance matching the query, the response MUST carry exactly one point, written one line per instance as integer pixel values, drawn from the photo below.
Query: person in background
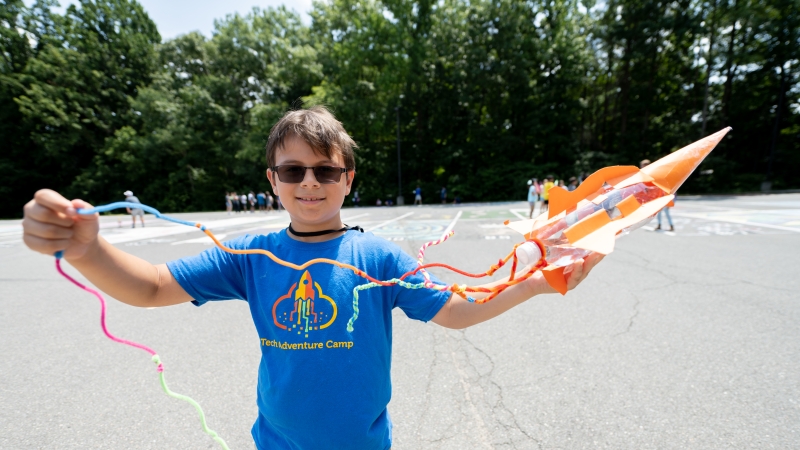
(573, 184)
(665, 210)
(243, 202)
(418, 196)
(270, 201)
(444, 195)
(251, 200)
(548, 184)
(356, 198)
(378, 202)
(130, 198)
(262, 201)
(235, 200)
(533, 195)
(228, 203)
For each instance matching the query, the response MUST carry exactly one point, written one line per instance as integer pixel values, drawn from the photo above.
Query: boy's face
(312, 206)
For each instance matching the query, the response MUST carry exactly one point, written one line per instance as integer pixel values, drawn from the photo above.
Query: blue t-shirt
(532, 195)
(319, 386)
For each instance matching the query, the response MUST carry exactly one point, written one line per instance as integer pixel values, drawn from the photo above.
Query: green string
(196, 405)
(372, 285)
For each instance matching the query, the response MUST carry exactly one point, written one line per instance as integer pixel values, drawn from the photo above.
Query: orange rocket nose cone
(305, 289)
(671, 171)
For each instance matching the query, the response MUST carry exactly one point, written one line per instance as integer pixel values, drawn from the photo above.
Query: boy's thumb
(80, 204)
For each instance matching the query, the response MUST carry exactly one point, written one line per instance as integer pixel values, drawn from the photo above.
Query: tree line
(483, 94)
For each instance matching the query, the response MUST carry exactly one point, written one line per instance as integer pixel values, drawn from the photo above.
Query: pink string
(160, 367)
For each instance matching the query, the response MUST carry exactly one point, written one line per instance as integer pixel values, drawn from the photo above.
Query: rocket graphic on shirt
(304, 308)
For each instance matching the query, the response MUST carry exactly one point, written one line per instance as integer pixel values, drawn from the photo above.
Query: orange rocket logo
(311, 310)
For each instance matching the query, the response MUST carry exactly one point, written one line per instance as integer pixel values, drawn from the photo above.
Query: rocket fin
(589, 225)
(555, 278)
(562, 200)
(603, 239)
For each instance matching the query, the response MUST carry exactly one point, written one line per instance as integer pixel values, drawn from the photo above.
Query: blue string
(150, 209)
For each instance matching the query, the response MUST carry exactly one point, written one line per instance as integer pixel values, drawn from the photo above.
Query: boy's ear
(351, 174)
(270, 175)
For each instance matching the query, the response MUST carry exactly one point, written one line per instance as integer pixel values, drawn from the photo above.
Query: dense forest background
(488, 93)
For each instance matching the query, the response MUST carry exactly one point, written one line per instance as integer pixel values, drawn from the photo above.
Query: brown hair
(319, 128)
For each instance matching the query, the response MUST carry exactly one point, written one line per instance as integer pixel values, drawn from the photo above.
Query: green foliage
(488, 94)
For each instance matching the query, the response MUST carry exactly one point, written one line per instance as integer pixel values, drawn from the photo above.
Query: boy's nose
(309, 179)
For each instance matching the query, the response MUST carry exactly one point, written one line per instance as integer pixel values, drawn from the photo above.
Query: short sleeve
(419, 304)
(212, 275)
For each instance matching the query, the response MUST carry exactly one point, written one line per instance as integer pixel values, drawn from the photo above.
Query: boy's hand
(579, 270)
(574, 273)
(51, 224)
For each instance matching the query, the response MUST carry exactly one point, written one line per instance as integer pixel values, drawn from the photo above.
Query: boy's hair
(321, 131)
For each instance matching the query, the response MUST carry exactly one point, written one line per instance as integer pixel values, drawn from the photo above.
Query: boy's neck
(318, 238)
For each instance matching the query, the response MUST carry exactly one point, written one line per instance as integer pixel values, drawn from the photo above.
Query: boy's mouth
(310, 199)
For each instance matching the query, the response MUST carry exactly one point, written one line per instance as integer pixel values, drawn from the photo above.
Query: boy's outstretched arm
(51, 224)
(459, 313)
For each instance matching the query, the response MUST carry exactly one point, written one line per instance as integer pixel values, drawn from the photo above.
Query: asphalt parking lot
(684, 339)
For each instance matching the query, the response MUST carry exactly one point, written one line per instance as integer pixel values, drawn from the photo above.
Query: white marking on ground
(740, 222)
(516, 213)
(388, 222)
(354, 217)
(452, 224)
(118, 236)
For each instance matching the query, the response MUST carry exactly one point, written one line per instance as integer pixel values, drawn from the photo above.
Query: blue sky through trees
(176, 17)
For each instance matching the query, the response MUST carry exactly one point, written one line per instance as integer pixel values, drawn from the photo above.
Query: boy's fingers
(592, 260)
(40, 213)
(80, 204)
(46, 230)
(46, 246)
(55, 201)
(583, 268)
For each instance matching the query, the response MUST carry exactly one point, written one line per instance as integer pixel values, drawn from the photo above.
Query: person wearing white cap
(130, 198)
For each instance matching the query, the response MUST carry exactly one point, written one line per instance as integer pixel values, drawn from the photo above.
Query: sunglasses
(296, 174)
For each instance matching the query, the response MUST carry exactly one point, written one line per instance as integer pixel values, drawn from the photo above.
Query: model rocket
(609, 203)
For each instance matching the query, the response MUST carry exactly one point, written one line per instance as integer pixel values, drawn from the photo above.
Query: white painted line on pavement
(118, 236)
(740, 222)
(452, 224)
(388, 222)
(355, 217)
(514, 212)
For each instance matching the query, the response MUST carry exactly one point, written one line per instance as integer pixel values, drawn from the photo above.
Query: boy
(319, 386)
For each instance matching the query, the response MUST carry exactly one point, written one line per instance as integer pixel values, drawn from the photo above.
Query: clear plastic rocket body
(560, 252)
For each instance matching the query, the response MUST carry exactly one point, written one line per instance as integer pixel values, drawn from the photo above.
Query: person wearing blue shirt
(324, 377)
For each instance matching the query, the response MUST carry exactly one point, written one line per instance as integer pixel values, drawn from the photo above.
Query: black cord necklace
(320, 233)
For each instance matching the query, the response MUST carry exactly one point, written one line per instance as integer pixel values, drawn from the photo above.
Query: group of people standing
(264, 201)
(539, 193)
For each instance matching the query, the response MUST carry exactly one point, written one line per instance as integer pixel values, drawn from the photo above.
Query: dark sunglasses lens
(291, 174)
(327, 174)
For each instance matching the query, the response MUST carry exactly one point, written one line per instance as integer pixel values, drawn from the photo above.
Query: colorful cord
(455, 288)
(156, 359)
